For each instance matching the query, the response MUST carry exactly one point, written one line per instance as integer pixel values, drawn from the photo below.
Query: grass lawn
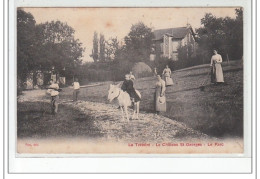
(36, 121)
(216, 111)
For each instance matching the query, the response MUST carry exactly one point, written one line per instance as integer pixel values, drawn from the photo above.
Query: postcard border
(102, 157)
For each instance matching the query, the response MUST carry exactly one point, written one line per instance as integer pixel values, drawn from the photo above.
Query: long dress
(128, 86)
(167, 76)
(159, 89)
(217, 71)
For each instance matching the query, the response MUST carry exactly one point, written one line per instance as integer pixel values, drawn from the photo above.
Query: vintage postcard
(111, 80)
(95, 84)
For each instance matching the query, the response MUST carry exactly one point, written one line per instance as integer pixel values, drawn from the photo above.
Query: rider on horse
(128, 86)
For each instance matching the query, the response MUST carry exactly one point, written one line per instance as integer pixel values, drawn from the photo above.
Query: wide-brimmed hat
(162, 99)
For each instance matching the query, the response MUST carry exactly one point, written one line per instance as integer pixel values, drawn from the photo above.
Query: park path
(107, 119)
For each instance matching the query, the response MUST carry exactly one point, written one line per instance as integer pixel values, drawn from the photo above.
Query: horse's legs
(126, 112)
(137, 109)
(122, 112)
(133, 117)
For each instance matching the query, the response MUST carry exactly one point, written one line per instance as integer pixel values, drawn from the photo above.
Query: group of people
(128, 85)
(160, 88)
(217, 78)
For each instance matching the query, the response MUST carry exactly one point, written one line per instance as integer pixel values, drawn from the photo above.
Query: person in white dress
(167, 76)
(216, 68)
(159, 95)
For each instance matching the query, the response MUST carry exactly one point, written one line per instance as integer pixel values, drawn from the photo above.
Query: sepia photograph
(126, 80)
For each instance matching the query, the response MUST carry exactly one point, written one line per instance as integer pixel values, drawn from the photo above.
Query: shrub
(141, 70)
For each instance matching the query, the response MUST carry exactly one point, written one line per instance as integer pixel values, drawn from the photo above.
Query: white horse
(123, 100)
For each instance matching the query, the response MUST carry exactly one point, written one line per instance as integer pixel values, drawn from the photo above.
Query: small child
(76, 87)
(53, 90)
(131, 76)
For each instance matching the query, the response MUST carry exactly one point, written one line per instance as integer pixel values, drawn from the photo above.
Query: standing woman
(159, 96)
(167, 76)
(217, 72)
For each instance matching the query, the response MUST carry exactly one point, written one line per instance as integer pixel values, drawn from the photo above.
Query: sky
(116, 22)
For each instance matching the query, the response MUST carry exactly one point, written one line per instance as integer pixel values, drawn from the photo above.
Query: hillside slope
(217, 111)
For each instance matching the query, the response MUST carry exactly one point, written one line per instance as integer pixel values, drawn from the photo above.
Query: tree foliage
(112, 47)
(26, 43)
(94, 54)
(47, 45)
(138, 43)
(102, 47)
(119, 59)
(223, 34)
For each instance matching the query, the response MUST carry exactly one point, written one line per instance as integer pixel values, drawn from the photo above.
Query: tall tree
(102, 47)
(64, 51)
(138, 42)
(94, 54)
(239, 30)
(26, 44)
(112, 46)
(56, 32)
(223, 34)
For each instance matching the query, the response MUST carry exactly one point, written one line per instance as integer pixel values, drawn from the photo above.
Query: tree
(26, 44)
(112, 46)
(94, 54)
(223, 34)
(239, 30)
(64, 51)
(40, 47)
(56, 32)
(138, 42)
(102, 47)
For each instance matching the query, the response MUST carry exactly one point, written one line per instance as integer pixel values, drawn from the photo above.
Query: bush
(103, 71)
(141, 70)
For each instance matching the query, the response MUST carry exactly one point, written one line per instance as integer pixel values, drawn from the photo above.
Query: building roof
(177, 33)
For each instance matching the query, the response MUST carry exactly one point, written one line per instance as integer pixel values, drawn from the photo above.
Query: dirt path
(104, 122)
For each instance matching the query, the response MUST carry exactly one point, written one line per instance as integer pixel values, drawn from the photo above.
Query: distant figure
(76, 87)
(131, 76)
(155, 72)
(53, 90)
(128, 86)
(152, 54)
(216, 69)
(159, 96)
(167, 76)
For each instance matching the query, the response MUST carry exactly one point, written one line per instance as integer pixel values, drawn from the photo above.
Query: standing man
(76, 90)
